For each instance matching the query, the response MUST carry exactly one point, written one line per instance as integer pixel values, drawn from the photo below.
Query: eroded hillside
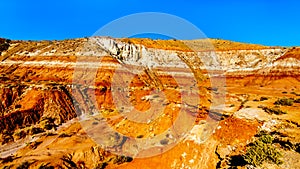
(56, 97)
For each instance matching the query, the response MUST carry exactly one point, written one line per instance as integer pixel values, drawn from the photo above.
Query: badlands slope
(56, 96)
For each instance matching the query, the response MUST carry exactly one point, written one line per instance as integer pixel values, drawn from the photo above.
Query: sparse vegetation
(285, 143)
(263, 98)
(46, 83)
(273, 110)
(6, 159)
(294, 93)
(8, 166)
(19, 134)
(49, 134)
(45, 166)
(64, 135)
(68, 162)
(35, 130)
(262, 150)
(4, 44)
(6, 137)
(284, 102)
(34, 144)
(122, 159)
(140, 136)
(47, 123)
(101, 165)
(24, 165)
(297, 100)
(297, 148)
(159, 44)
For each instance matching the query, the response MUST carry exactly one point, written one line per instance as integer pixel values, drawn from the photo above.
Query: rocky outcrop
(8, 95)
(232, 60)
(28, 108)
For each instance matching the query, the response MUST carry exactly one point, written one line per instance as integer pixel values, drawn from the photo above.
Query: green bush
(284, 102)
(261, 151)
(48, 123)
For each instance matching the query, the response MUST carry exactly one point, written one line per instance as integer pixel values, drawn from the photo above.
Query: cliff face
(232, 61)
(229, 60)
(45, 86)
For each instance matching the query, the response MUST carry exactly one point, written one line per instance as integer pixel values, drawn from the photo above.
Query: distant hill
(195, 45)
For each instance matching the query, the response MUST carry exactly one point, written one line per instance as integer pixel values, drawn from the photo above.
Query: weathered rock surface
(45, 90)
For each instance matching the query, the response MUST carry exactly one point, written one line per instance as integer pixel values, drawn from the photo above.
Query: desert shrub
(273, 110)
(4, 44)
(49, 134)
(237, 160)
(101, 165)
(297, 100)
(261, 151)
(81, 164)
(46, 166)
(18, 106)
(24, 165)
(6, 159)
(263, 98)
(35, 144)
(140, 136)
(297, 148)
(8, 166)
(47, 123)
(294, 93)
(285, 144)
(19, 134)
(68, 162)
(284, 102)
(6, 138)
(34, 130)
(122, 159)
(62, 135)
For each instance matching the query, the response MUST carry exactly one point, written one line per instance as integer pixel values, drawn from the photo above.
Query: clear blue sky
(269, 22)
